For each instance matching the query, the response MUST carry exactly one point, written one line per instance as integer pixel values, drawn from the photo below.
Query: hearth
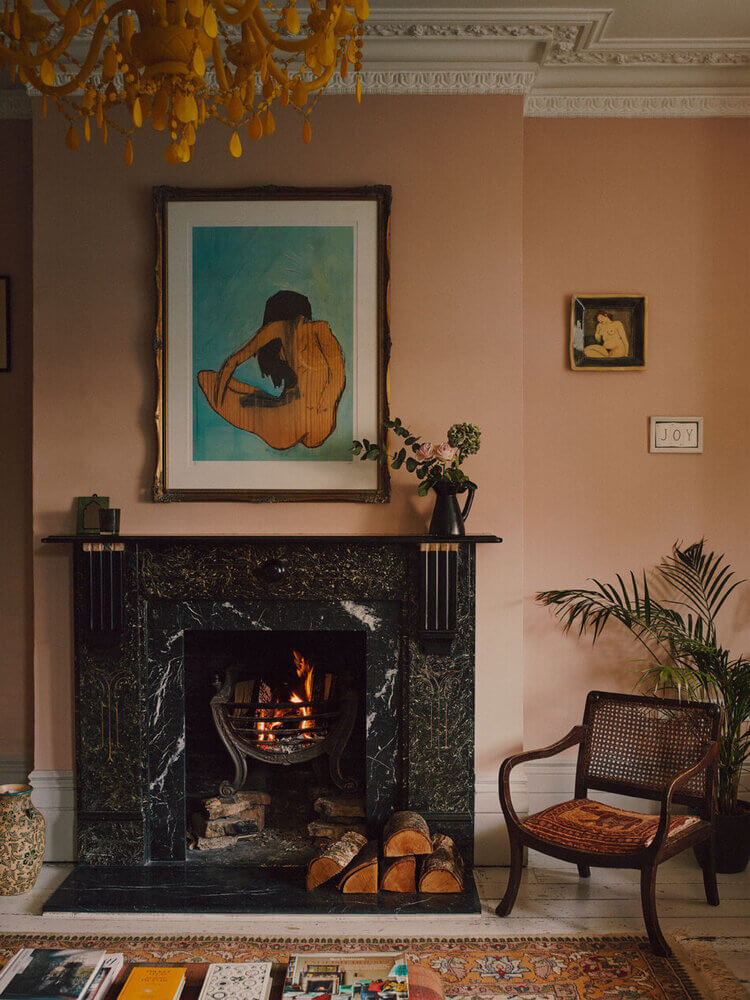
(203, 634)
(277, 716)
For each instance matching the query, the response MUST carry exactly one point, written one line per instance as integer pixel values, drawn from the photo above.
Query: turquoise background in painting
(235, 270)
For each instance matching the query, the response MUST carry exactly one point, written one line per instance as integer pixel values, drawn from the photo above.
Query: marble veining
(130, 729)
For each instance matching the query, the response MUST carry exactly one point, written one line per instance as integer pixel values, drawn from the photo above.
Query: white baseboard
(54, 796)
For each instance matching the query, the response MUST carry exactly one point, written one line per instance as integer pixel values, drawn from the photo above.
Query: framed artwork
(4, 323)
(608, 332)
(272, 342)
(670, 435)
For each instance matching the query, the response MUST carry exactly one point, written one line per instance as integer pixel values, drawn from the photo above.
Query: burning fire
(305, 672)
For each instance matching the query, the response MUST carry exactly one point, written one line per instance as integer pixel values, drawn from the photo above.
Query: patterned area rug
(532, 968)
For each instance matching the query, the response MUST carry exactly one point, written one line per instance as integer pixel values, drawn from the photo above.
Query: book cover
(105, 976)
(237, 981)
(147, 982)
(331, 976)
(43, 973)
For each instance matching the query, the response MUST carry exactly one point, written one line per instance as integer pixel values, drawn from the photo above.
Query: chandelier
(179, 63)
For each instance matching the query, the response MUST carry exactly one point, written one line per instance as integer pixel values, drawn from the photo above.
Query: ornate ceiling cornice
(564, 60)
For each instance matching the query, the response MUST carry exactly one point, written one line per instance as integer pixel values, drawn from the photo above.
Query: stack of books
(69, 974)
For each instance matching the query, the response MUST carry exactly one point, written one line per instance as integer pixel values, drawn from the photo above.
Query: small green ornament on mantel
(22, 838)
(436, 466)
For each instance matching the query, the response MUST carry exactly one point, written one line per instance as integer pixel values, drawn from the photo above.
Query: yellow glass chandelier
(179, 63)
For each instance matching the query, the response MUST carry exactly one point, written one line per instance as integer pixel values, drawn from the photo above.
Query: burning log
(442, 871)
(406, 833)
(362, 873)
(400, 875)
(333, 859)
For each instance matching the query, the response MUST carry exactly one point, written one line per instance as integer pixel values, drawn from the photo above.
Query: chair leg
(648, 901)
(514, 878)
(584, 871)
(709, 873)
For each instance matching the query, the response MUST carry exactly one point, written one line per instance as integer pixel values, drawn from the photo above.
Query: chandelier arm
(221, 73)
(273, 36)
(321, 81)
(88, 64)
(56, 8)
(237, 16)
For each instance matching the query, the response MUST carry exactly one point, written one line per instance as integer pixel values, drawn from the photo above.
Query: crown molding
(716, 105)
(439, 81)
(564, 61)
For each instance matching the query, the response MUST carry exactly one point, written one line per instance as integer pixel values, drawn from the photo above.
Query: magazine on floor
(50, 974)
(333, 976)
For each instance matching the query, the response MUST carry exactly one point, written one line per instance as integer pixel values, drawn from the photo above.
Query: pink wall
(655, 207)
(16, 703)
(455, 322)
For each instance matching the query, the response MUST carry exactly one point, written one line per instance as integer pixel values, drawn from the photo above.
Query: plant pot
(732, 838)
(447, 517)
(21, 840)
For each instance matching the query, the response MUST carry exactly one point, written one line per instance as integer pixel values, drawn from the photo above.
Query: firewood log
(400, 875)
(334, 859)
(333, 829)
(339, 808)
(442, 871)
(233, 805)
(362, 873)
(406, 833)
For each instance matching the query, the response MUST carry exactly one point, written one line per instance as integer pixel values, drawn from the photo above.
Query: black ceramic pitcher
(447, 517)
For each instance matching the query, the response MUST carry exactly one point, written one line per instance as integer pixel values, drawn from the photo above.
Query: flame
(305, 672)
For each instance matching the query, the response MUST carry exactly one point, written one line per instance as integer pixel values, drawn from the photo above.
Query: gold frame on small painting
(588, 352)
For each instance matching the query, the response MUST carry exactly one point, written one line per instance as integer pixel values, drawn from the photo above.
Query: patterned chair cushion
(585, 825)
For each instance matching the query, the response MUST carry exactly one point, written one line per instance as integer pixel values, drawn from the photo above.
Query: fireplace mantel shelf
(256, 539)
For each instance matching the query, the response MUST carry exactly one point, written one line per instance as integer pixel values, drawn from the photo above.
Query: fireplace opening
(275, 742)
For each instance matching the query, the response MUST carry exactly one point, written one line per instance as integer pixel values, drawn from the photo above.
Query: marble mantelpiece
(130, 694)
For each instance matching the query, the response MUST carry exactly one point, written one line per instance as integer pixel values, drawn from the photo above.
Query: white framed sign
(683, 435)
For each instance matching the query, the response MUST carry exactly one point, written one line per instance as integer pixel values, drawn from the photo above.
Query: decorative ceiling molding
(636, 106)
(432, 81)
(558, 58)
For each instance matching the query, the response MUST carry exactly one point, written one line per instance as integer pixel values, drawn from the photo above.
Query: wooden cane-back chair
(648, 748)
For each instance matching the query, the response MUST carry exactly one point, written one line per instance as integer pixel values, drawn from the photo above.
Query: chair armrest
(575, 736)
(666, 800)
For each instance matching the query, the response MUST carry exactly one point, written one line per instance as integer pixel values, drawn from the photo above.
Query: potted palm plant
(683, 658)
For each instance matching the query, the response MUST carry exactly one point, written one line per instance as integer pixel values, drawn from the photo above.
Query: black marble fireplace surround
(130, 709)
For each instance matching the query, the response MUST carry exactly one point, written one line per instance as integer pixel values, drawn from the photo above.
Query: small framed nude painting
(608, 332)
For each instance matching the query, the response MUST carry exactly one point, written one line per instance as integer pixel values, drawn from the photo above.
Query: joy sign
(677, 434)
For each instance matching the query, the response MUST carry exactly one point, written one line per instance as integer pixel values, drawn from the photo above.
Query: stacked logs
(356, 863)
(224, 821)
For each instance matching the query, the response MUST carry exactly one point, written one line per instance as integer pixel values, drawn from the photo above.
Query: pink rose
(445, 453)
(425, 452)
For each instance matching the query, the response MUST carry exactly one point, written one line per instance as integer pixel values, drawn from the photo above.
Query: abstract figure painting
(608, 332)
(272, 343)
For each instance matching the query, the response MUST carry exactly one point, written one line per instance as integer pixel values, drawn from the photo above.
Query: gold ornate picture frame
(272, 342)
